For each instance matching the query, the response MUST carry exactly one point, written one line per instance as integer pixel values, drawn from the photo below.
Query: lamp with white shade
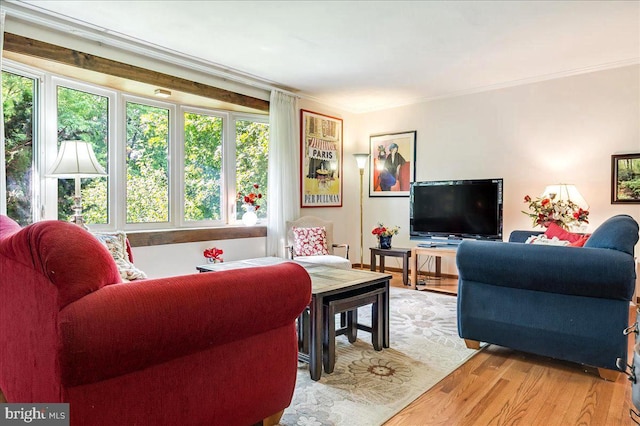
(76, 160)
(361, 160)
(565, 192)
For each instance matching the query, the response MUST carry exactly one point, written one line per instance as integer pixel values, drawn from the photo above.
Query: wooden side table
(438, 252)
(404, 253)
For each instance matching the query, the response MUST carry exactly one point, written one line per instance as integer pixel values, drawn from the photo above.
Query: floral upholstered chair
(310, 239)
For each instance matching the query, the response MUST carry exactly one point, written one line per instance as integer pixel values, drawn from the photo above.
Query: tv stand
(439, 251)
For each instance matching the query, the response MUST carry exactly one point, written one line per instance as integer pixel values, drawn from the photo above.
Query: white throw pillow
(542, 239)
(116, 243)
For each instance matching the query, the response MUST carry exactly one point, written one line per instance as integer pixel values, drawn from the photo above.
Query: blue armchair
(567, 303)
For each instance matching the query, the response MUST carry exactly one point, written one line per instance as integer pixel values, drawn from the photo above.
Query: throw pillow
(310, 241)
(580, 243)
(542, 239)
(116, 243)
(562, 234)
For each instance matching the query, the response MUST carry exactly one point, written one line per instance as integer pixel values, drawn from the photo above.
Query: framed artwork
(392, 158)
(321, 160)
(625, 179)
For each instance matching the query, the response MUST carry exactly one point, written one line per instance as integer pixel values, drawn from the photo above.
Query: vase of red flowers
(250, 205)
(384, 235)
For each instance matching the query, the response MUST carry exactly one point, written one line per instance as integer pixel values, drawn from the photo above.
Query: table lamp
(76, 160)
(565, 192)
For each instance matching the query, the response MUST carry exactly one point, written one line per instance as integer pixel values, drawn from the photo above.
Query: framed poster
(321, 160)
(392, 164)
(625, 179)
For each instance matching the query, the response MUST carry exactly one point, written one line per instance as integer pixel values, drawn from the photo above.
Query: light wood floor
(500, 386)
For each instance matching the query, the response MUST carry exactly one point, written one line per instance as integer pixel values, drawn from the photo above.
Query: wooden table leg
(385, 314)
(315, 346)
(405, 269)
(373, 261)
(414, 269)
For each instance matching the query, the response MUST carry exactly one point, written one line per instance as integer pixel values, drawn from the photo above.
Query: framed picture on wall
(392, 164)
(321, 160)
(625, 179)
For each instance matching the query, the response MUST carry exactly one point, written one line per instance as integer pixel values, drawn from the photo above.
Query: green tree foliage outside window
(202, 167)
(17, 105)
(84, 116)
(147, 161)
(252, 159)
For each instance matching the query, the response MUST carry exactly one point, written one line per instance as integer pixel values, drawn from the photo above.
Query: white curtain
(284, 164)
(3, 173)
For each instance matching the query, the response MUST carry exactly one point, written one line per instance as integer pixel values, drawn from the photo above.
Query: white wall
(181, 259)
(562, 130)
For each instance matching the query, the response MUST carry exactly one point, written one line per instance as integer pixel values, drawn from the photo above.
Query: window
(147, 163)
(164, 169)
(252, 149)
(202, 167)
(18, 94)
(84, 116)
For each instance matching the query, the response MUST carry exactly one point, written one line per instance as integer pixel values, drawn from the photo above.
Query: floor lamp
(76, 160)
(361, 159)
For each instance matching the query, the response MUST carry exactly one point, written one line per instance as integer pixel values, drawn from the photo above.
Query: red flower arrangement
(214, 254)
(382, 231)
(563, 213)
(251, 199)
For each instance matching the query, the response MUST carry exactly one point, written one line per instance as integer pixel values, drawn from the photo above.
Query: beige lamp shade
(76, 160)
(361, 159)
(567, 192)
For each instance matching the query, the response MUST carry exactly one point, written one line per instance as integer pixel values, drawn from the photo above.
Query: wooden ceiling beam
(27, 46)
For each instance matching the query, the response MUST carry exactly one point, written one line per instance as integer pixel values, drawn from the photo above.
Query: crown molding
(34, 15)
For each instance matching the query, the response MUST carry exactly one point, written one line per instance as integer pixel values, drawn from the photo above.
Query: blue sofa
(569, 303)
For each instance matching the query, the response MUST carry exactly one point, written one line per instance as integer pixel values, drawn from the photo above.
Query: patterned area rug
(368, 387)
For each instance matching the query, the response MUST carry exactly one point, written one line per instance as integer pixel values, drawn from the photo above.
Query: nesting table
(327, 283)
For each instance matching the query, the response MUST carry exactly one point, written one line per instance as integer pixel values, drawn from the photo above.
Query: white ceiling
(367, 55)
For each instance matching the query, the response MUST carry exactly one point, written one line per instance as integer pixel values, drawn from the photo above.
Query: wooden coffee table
(326, 282)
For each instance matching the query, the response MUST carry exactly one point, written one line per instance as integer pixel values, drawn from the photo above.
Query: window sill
(177, 236)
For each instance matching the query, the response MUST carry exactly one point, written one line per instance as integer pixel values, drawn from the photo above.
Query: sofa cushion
(310, 241)
(616, 233)
(116, 243)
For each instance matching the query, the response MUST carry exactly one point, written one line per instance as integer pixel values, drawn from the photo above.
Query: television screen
(456, 208)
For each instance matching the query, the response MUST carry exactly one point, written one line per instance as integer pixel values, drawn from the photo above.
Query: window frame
(232, 200)
(45, 152)
(38, 188)
(50, 144)
(121, 222)
(224, 194)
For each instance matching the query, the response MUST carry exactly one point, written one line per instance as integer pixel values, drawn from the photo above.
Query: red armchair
(216, 348)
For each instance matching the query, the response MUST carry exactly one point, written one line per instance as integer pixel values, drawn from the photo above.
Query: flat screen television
(456, 209)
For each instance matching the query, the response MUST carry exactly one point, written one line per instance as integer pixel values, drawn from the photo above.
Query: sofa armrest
(590, 272)
(131, 326)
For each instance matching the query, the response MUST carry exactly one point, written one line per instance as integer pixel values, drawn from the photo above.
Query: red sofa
(203, 349)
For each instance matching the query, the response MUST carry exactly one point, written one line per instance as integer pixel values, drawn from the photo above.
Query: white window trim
(45, 138)
(232, 127)
(226, 168)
